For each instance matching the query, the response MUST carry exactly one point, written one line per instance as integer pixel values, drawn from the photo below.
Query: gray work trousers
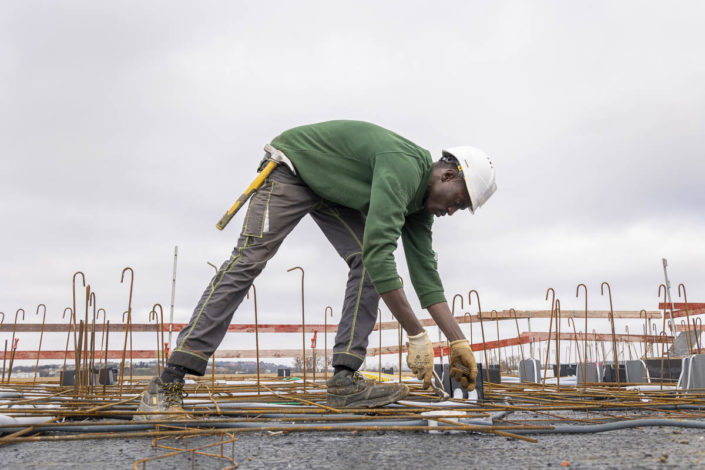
(274, 210)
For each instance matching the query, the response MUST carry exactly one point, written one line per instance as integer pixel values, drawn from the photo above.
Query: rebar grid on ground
(508, 410)
(198, 450)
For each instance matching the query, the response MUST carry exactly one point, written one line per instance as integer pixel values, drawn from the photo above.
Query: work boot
(354, 391)
(167, 398)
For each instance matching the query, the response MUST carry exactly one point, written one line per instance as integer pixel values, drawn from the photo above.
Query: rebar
(325, 336)
(611, 317)
(499, 348)
(687, 316)
(303, 323)
(558, 345)
(585, 348)
(254, 298)
(127, 328)
(153, 315)
(41, 335)
(550, 327)
(233, 405)
(482, 328)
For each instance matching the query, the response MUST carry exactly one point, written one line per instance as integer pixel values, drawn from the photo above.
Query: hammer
(275, 157)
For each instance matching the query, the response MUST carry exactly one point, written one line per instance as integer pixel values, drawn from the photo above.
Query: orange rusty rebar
(153, 315)
(550, 328)
(611, 318)
(128, 331)
(499, 346)
(160, 355)
(645, 328)
(521, 346)
(585, 347)
(379, 365)
(41, 335)
(482, 328)
(687, 315)
(325, 337)
(469, 321)
(254, 298)
(303, 322)
(68, 336)
(558, 345)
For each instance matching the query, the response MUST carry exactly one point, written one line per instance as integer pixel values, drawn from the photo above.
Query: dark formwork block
(443, 371)
(283, 372)
(566, 370)
(107, 376)
(610, 374)
(67, 377)
(494, 375)
(671, 369)
(479, 383)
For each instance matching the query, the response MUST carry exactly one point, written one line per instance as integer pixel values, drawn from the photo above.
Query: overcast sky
(129, 127)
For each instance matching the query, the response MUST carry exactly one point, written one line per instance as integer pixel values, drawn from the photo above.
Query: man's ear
(448, 174)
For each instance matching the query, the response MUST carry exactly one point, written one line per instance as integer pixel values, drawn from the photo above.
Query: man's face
(446, 194)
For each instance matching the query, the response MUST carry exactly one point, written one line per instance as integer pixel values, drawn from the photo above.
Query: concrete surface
(657, 448)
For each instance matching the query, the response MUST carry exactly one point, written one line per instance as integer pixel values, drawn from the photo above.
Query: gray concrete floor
(633, 448)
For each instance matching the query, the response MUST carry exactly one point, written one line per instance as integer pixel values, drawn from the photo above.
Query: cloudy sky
(127, 128)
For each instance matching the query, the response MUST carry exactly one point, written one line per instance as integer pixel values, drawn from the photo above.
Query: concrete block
(530, 371)
(693, 372)
(636, 371)
(589, 374)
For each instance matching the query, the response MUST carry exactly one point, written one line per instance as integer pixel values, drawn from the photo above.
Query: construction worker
(365, 187)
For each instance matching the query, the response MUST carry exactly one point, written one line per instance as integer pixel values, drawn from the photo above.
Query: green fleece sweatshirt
(383, 175)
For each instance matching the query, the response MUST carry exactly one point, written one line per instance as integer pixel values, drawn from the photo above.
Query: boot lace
(358, 377)
(174, 394)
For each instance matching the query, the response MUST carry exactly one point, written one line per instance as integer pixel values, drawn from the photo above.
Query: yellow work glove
(463, 367)
(420, 357)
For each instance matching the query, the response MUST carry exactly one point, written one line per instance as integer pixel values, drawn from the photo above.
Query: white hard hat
(478, 171)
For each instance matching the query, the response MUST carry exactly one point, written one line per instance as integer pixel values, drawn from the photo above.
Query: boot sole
(163, 416)
(377, 402)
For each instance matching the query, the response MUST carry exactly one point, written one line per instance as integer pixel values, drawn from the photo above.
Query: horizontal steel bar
(310, 328)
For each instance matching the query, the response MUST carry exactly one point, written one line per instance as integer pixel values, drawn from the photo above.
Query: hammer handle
(256, 183)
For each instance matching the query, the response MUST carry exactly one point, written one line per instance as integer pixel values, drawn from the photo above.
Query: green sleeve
(395, 179)
(421, 259)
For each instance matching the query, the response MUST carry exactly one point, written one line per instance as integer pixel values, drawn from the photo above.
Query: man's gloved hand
(420, 357)
(462, 364)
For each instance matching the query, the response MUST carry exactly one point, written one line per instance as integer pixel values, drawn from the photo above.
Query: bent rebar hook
(303, 322)
(614, 337)
(646, 328)
(687, 316)
(128, 327)
(521, 345)
(14, 328)
(153, 316)
(585, 348)
(550, 329)
(41, 335)
(482, 328)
